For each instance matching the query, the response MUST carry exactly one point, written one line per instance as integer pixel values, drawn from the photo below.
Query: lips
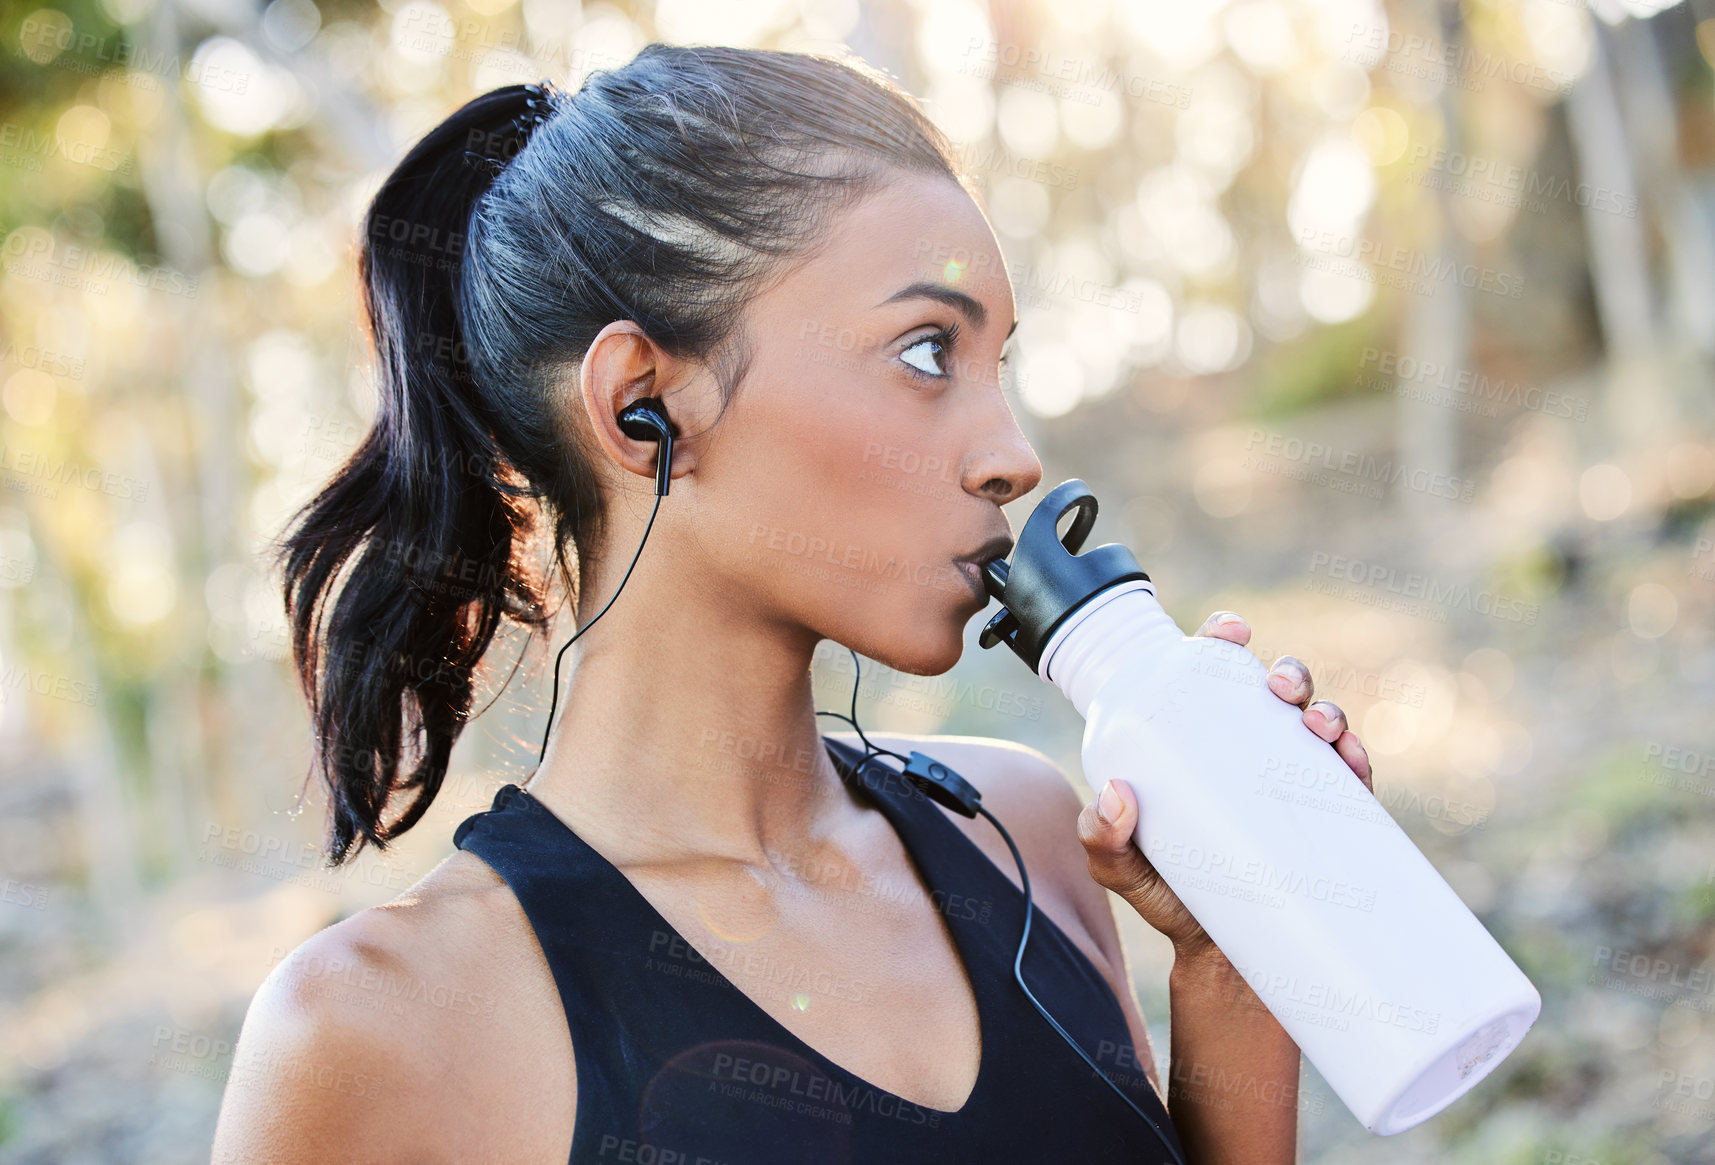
(997, 547)
(973, 575)
(971, 565)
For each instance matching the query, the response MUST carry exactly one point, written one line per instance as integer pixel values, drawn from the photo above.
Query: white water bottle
(1382, 976)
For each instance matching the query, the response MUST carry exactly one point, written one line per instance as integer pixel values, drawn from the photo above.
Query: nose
(1002, 466)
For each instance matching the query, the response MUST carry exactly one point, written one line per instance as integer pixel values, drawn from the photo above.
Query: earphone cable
(1018, 974)
(555, 700)
(873, 750)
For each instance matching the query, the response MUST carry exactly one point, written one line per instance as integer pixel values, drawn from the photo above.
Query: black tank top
(677, 1066)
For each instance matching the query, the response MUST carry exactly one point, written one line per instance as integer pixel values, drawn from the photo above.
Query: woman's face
(870, 447)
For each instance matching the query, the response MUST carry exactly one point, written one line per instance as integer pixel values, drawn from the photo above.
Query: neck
(687, 730)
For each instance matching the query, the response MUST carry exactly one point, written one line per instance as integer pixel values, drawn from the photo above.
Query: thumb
(1105, 827)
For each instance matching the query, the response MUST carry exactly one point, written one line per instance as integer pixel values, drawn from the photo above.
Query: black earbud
(647, 420)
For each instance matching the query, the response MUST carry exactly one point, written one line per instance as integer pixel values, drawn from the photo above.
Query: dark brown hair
(668, 191)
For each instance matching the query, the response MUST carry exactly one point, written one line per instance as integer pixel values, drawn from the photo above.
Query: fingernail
(1227, 619)
(1109, 805)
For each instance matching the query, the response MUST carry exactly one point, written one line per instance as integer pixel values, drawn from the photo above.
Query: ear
(622, 366)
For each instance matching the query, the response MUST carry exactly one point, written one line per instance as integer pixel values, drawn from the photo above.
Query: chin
(936, 649)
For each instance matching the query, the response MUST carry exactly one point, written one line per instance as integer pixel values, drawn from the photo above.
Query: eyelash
(947, 337)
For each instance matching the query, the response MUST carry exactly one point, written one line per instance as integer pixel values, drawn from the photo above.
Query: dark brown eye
(939, 345)
(932, 344)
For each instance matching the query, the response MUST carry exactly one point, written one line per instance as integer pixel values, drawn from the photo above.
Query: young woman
(703, 931)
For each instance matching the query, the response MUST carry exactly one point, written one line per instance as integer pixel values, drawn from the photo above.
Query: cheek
(818, 500)
(819, 468)
(783, 500)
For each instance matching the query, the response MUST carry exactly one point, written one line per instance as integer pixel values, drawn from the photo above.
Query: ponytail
(423, 511)
(668, 192)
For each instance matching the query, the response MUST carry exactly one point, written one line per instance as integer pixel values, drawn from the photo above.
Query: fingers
(1106, 823)
(1290, 680)
(1352, 752)
(1105, 827)
(1226, 625)
(1326, 720)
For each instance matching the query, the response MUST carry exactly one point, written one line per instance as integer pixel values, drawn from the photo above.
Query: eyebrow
(972, 308)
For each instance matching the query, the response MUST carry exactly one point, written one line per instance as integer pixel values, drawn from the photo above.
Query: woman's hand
(1107, 823)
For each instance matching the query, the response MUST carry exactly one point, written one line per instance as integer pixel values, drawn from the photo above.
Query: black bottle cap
(1047, 579)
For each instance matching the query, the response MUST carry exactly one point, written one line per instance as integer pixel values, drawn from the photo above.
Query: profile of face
(869, 446)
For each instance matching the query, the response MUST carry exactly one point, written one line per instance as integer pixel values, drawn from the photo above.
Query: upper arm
(1044, 800)
(398, 1034)
(316, 1075)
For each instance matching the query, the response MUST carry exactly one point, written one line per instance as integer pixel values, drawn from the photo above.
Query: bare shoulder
(396, 1034)
(1039, 804)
